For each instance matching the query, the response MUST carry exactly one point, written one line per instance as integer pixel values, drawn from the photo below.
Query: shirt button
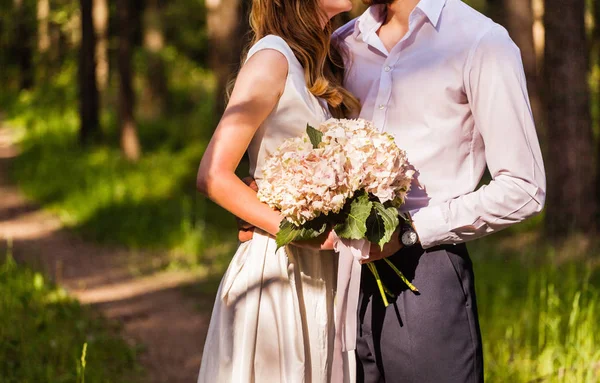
(381, 107)
(387, 68)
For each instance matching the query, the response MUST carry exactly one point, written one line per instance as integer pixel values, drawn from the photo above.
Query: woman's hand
(323, 242)
(245, 229)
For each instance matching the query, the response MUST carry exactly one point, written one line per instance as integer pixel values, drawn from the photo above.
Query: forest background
(111, 104)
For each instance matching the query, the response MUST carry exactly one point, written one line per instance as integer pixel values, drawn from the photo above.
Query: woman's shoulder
(276, 43)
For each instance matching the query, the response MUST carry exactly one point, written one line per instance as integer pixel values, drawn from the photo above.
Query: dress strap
(278, 44)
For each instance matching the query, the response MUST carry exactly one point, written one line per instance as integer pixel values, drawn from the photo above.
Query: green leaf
(316, 136)
(381, 224)
(375, 227)
(288, 232)
(355, 225)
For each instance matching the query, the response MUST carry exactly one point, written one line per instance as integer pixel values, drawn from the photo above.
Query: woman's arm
(257, 90)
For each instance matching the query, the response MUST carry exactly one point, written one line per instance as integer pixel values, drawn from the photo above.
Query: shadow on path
(125, 286)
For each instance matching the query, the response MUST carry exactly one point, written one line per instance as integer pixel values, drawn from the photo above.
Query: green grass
(98, 193)
(43, 333)
(540, 317)
(538, 306)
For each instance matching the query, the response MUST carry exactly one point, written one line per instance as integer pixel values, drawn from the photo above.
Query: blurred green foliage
(477, 4)
(152, 203)
(539, 315)
(43, 332)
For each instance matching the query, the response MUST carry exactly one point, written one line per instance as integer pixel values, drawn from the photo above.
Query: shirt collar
(369, 21)
(432, 9)
(373, 17)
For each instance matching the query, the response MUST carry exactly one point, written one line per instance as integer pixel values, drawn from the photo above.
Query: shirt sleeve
(497, 92)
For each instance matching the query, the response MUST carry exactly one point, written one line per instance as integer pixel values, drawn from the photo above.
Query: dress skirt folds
(273, 316)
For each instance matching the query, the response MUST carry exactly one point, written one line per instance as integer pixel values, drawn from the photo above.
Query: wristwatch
(408, 235)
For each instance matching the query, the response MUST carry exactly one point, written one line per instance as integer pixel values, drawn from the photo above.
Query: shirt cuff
(431, 225)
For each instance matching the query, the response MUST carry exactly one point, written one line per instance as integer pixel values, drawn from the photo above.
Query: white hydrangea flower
(304, 182)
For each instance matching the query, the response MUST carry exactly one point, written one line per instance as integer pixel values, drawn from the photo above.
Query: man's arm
(497, 92)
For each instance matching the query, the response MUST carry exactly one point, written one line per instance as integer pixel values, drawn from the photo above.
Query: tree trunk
(596, 45)
(100, 15)
(519, 23)
(43, 37)
(23, 44)
(43, 15)
(129, 139)
(539, 33)
(225, 28)
(88, 92)
(517, 17)
(155, 95)
(496, 10)
(572, 198)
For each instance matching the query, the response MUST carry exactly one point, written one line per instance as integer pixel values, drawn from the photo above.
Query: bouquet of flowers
(344, 175)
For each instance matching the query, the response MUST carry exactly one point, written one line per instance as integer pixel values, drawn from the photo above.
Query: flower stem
(410, 285)
(379, 283)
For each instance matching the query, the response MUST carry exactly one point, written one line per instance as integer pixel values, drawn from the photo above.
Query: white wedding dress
(273, 317)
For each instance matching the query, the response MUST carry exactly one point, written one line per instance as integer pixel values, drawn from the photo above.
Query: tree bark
(155, 95)
(130, 144)
(100, 16)
(43, 38)
(88, 92)
(571, 202)
(519, 23)
(596, 45)
(539, 33)
(517, 17)
(496, 10)
(43, 15)
(24, 44)
(225, 25)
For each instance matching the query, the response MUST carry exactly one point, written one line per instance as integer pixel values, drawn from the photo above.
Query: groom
(449, 84)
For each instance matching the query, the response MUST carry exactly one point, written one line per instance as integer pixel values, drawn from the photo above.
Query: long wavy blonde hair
(299, 23)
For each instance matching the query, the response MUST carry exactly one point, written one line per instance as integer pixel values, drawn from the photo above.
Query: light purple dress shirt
(453, 93)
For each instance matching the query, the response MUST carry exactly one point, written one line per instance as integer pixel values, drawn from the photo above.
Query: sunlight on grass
(95, 191)
(43, 331)
(539, 323)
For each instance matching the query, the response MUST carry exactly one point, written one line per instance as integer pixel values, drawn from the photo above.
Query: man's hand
(323, 242)
(390, 248)
(246, 230)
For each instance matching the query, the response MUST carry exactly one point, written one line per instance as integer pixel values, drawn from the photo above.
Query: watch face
(409, 238)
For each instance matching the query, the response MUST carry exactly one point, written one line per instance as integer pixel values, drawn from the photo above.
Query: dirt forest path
(121, 284)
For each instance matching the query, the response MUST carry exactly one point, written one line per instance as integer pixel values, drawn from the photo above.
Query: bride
(273, 316)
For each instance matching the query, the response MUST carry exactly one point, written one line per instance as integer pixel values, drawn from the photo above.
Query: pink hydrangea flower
(304, 182)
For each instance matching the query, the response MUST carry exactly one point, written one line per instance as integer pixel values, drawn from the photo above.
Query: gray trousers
(428, 337)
